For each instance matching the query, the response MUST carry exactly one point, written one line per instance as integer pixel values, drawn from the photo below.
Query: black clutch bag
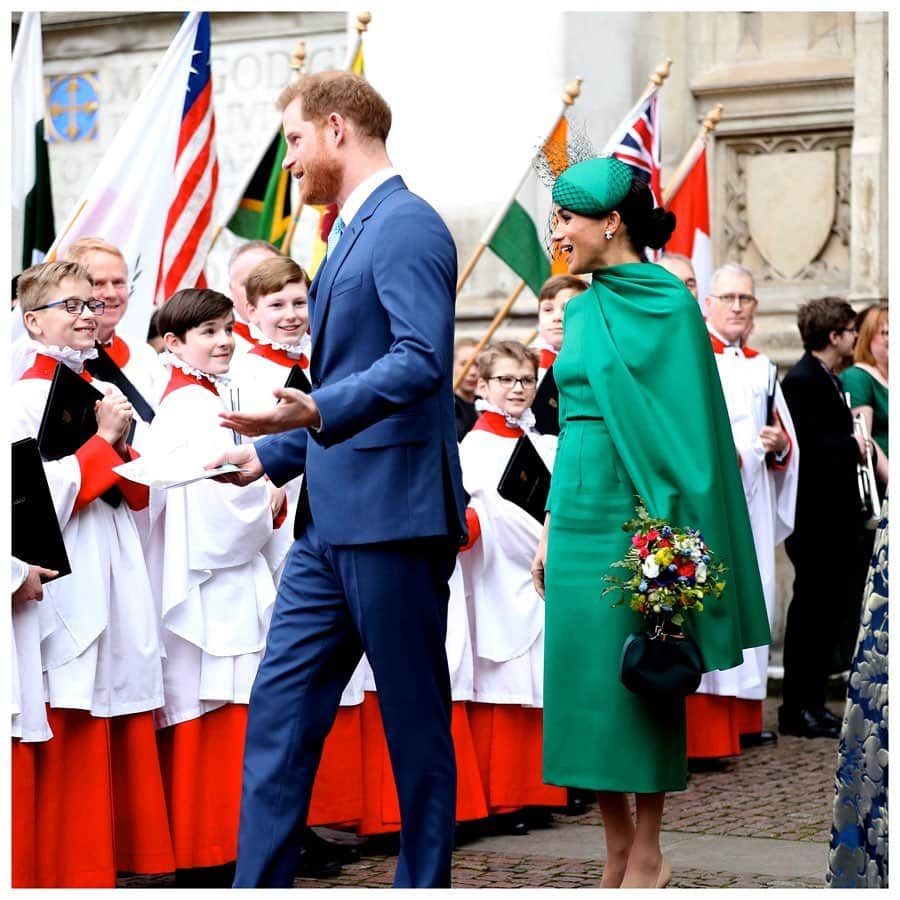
(660, 663)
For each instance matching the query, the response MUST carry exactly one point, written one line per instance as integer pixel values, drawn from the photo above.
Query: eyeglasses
(529, 382)
(743, 299)
(74, 306)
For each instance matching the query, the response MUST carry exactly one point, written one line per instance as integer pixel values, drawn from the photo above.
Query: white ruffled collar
(525, 421)
(167, 358)
(294, 351)
(68, 356)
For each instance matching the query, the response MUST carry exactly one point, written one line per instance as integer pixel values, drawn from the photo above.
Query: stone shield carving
(791, 206)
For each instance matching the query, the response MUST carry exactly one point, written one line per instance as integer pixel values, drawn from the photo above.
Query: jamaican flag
(264, 211)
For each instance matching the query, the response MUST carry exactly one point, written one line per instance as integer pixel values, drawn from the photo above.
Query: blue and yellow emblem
(73, 105)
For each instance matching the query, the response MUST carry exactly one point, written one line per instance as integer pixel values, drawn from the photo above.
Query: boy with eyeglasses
(96, 783)
(506, 615)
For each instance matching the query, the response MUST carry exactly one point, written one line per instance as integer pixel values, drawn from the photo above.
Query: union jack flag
(188, 233)
(636, 142)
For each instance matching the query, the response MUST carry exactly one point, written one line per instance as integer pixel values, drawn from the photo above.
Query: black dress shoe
(824, 714)
(510, 823)
(758, 739)
(804, 723)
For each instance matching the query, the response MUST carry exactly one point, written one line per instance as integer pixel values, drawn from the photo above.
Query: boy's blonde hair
(35, 282)
(273, 275)
(505, 350)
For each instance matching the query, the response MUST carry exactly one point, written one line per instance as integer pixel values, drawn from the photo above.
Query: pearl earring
(608, 234)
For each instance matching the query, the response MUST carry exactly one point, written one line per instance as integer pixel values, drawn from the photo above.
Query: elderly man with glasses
(726, 713)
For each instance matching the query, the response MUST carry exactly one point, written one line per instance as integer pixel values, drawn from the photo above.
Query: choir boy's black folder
(526, 480)
(546, 405)
(36, 536)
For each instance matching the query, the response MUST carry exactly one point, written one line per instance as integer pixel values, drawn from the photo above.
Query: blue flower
(665, 531)
(672, 567)
(705, 558)
(642, 587)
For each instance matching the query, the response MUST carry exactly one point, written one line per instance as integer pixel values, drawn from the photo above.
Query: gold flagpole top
(661, 72)
(362, 21)
(712, 119)
(298, 60)
(572, 91)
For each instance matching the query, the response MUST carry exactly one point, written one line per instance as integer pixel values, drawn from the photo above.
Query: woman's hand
(539, 563)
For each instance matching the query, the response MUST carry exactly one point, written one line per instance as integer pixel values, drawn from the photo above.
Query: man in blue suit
(382, 513)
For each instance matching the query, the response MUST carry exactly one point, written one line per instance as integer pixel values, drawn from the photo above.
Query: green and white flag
(32, 205)
(517, 234)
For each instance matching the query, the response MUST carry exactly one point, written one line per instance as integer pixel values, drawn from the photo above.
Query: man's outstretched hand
(294, 410)
(245, 458)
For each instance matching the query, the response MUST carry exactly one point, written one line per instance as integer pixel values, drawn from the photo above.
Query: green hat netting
(594, 186)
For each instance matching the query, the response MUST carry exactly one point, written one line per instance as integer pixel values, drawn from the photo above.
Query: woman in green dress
(867, 381)
(641, 412)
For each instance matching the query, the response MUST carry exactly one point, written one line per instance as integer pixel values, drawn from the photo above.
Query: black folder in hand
(526, 479)
(546, 405)
(296, 379)
(69, 420)
(36, 536)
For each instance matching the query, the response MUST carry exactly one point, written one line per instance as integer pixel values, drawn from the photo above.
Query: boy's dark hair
(189, 308)
(562, 282)
(818, 318)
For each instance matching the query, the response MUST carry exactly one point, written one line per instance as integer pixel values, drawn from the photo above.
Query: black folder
(36, 536)
(546, 405)
(296, 379)
(69, 420)
(526, 480)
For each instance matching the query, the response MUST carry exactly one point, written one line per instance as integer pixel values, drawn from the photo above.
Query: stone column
(869, 160)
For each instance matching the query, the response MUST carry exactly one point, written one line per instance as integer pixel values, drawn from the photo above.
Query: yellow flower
(664, 556)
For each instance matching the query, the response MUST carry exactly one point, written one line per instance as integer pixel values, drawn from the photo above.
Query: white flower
(650, 567)
(700, 573)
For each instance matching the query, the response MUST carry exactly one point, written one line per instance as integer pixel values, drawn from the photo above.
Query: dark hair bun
(659, 227)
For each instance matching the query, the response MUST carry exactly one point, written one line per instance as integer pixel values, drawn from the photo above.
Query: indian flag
(518, 235)
(32, 205)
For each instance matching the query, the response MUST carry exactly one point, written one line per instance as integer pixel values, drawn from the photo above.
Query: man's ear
(337, 128)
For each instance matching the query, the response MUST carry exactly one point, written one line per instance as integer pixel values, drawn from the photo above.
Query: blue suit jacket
(386, 464)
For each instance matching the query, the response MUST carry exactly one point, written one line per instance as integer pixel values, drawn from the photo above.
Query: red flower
(652, 534)
(687, 569)
(665, 542)
(644, 552)
(639, 540)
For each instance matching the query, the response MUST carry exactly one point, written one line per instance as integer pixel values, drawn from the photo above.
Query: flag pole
(362, 24)
(569, 96)
(708, 126)
(657, 77)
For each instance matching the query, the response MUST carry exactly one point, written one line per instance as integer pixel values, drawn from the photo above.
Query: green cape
(657, 383)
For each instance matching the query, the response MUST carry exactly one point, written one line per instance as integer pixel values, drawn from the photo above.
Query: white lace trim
(525, 421)
(295, 351)
(68, 356)
(167, 358)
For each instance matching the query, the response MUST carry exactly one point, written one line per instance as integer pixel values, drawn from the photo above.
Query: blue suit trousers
(388, 600)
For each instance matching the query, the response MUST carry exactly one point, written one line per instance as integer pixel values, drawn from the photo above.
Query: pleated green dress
(641, 411)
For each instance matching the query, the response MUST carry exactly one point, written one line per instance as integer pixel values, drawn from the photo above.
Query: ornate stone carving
(743, 236)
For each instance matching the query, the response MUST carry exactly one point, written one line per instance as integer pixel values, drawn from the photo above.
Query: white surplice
(506, 615)
(771, 495)
(212, 583)
(99, 629)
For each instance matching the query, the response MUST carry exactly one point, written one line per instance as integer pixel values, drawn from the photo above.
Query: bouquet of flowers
(672, 569)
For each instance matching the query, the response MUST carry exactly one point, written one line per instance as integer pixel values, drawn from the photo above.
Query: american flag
(188, 233)
(636, 142)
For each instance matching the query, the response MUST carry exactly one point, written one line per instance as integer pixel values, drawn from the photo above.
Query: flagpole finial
(661, 72)
(298, 60)
(712, 118)
(572, 91)
(362, 21)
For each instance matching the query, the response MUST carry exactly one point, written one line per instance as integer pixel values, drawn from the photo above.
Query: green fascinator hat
(594, 186)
